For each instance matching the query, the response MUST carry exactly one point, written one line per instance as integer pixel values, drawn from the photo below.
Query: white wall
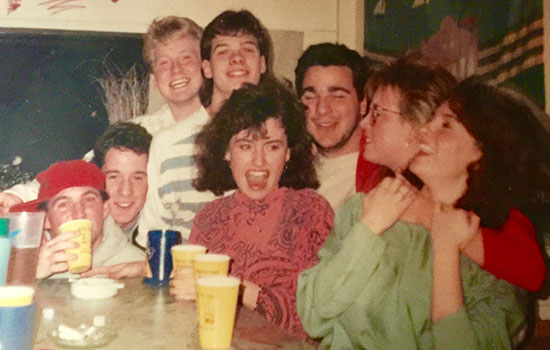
(316, 20)
(319, 20)
(294, 24)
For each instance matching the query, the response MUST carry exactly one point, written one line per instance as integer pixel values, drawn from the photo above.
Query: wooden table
(148, 318)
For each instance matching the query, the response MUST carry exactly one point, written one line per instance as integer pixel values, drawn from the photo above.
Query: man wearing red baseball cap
(71, 190)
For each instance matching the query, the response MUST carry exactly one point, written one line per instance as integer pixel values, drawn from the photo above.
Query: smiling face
(447, 149)
(234, 60)
(126, 184)
(391, 140)
(177, 70)
(257, 159)
(333, 109)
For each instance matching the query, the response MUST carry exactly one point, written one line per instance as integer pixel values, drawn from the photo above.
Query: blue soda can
(159, 256)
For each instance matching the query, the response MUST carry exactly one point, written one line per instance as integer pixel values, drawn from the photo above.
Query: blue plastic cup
(17, 327)
(159, 256)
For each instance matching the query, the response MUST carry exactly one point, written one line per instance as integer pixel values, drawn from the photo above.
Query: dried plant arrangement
(125, 93)
(12, 174)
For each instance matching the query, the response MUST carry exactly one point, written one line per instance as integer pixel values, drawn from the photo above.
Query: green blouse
(374, 292)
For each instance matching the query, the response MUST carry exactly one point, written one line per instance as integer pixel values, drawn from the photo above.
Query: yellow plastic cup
(183, 255)
(16, 296)
(211, 265)
(83, 261)
(217, 303)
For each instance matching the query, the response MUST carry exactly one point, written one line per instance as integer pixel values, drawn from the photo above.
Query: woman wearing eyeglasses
(392, 274)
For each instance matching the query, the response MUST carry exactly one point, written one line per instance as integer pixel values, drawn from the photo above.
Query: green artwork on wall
(499, 40)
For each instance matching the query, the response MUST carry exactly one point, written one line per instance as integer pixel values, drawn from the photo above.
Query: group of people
(372, 208)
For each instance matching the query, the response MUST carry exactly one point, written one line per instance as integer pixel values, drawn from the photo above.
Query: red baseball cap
(63, 175)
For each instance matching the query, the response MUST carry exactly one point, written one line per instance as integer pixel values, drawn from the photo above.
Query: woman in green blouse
(391, 274)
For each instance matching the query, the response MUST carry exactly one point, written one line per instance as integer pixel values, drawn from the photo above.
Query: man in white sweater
(234, 50)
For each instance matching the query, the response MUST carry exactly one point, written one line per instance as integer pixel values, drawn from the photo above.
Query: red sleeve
(513, 254)
(367, 174)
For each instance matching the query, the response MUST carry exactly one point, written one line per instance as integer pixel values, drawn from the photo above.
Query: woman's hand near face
(384, 204)
(453, 228)
(182, 285)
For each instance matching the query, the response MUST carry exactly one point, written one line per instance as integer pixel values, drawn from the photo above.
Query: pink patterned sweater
(270, 242)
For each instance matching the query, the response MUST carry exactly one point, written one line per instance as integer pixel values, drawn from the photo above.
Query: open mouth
(179, 83)
(257, 179)
(326, 124)
(237, 73)
(123, 205)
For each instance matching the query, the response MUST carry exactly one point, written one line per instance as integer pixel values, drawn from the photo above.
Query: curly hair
(423, 85)
(166, 28)
(124, 135)
(328, 54)
(511, 171)
(248, 108)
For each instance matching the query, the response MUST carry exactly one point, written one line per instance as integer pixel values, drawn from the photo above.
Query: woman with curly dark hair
(274, 223)
(249, 108)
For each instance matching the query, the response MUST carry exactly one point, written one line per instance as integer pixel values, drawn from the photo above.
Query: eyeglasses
(377, 111)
